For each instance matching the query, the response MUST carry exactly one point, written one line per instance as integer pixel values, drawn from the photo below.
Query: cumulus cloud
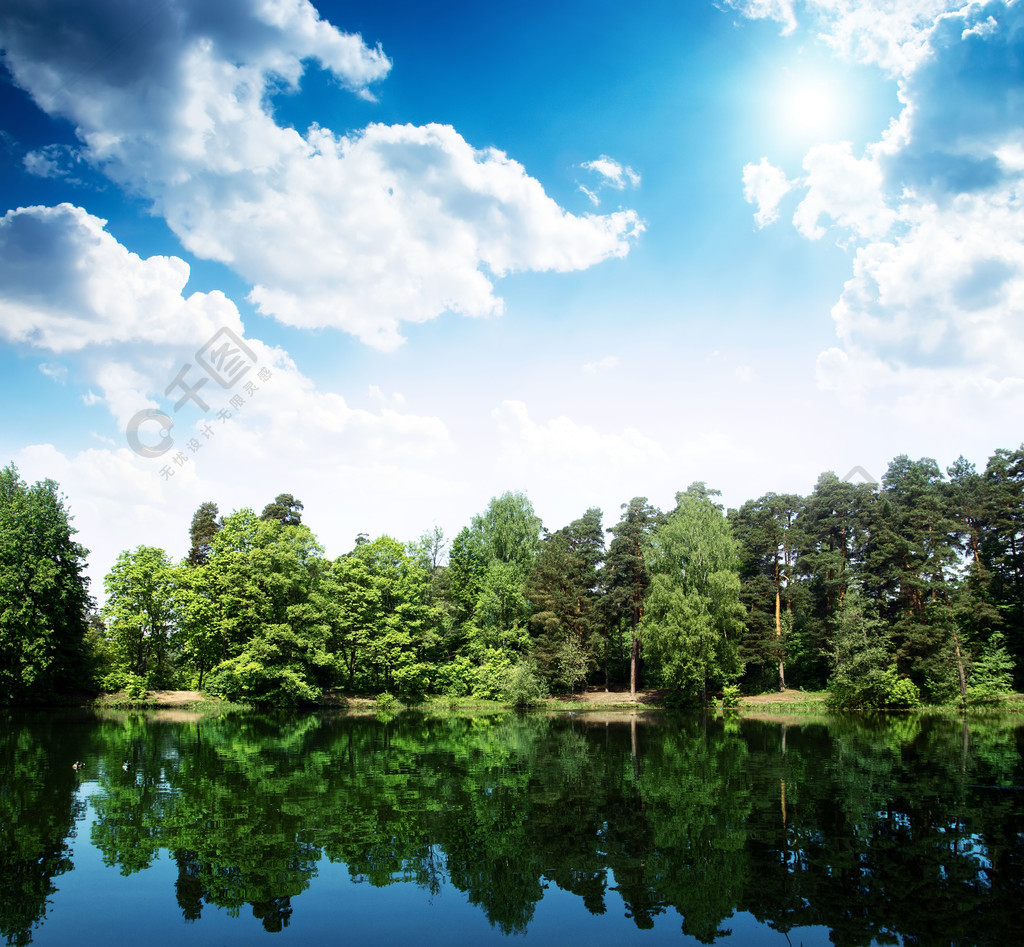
(66, 283)
(887, 33)
(849, 190)
(765, 185)
(361, 231)
(930, 212)
(139, 342)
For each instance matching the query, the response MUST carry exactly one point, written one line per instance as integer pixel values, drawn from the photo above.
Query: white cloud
(610, 174)
(54, 161)
(887, 33)
(561, 444)
(66, 283)
(765, 185)
(284, 433)
(54, 370)
(601, 364)
(362, 232)
(845, 188)
(781, 11)
(931, 211)
(613, 174)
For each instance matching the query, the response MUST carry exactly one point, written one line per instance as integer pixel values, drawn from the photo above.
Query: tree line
(887, 594)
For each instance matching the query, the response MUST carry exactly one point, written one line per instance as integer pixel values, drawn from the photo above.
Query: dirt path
(174, 698)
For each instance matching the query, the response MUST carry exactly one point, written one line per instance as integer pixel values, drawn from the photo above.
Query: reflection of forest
(905, 826)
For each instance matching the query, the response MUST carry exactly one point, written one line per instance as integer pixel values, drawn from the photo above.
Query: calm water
(467, 830)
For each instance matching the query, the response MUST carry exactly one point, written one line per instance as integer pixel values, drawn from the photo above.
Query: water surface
(469, 830)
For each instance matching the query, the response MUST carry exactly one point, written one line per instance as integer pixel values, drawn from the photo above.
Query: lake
(460, 829)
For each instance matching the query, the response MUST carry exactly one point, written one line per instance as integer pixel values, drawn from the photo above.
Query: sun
(810, 106)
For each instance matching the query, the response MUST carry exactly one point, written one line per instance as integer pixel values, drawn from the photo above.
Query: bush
(731, 695)
(903, 693)
(523, 686)
(386, 703)
(491, 677)
(875, 689)
(991, 676)
(244, 681)
(134, 687)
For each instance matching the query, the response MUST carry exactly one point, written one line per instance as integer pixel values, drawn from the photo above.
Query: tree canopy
(886, 594)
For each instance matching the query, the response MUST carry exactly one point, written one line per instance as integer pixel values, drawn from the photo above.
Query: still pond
(186, 829)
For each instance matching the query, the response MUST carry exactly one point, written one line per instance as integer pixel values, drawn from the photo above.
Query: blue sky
(590, 251)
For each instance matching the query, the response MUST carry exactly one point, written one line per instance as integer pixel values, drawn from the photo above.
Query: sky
(396, 258)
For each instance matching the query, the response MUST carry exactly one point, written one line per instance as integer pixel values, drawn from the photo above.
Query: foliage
(522, 686)
(141, 614)
(626, 580)
(991, 674)
(886, 592)
(204, 527)
(44, 596)
(563, 594)
(693, 616)
(283, 509)
(864, 674)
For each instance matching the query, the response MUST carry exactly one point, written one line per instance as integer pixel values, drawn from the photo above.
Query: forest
(888, 595)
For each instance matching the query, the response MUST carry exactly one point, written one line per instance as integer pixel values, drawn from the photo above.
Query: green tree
(626, 577)
(141, 614)
(509, 531)
(285, 509)
(991, 674)
(693, 616)
(204, 527)
(490, 564)
(912, 561)
(44, 596)
(833, 529)
(1002, 545)
(563, 592)
(264, 624)
(765, 530)
(402, 632)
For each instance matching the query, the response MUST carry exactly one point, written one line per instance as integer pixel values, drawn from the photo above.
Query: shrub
(523, 686)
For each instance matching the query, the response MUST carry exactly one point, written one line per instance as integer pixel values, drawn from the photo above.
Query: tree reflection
(877, 828)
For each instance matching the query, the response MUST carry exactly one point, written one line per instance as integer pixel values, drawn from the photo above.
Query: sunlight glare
(810, 105)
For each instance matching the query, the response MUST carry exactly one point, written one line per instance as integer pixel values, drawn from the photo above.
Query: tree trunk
(959, 656)
(634, 661)
(778, 628)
